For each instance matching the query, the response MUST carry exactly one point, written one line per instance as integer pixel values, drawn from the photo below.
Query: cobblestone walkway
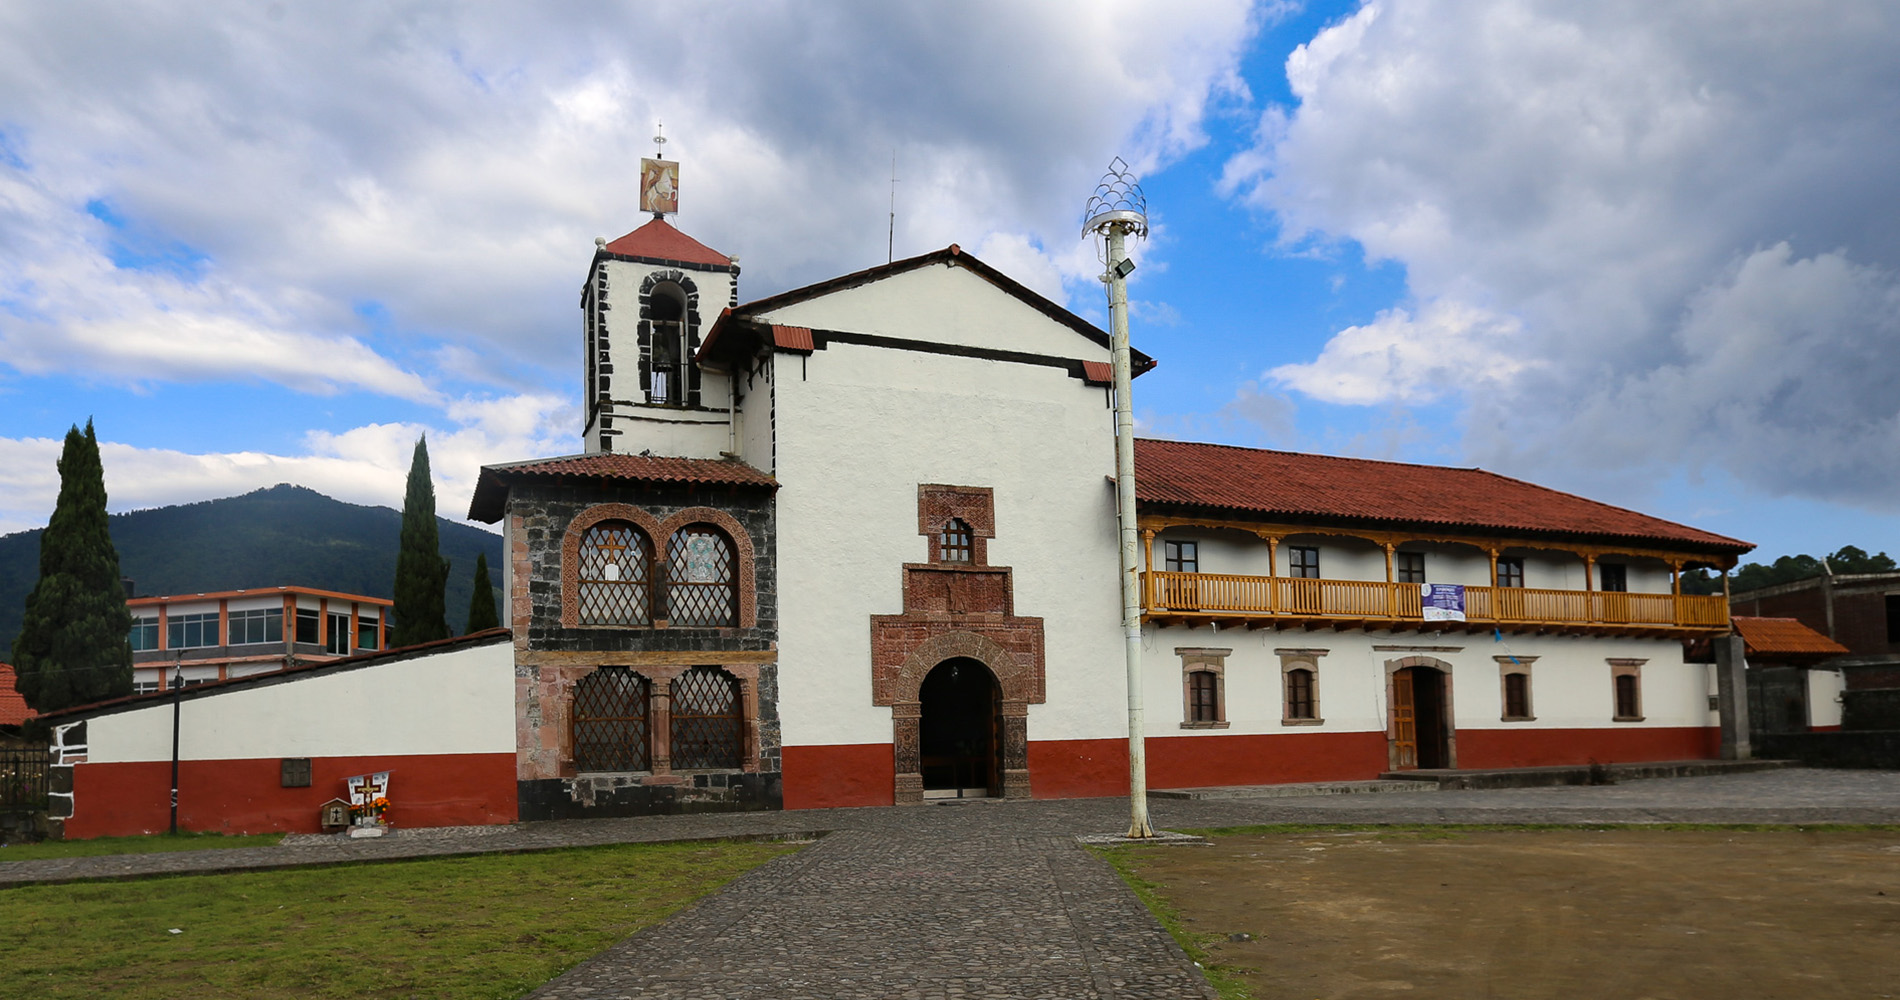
(936, 914)
(975, 899)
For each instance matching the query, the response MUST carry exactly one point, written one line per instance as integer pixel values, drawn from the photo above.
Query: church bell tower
(649, 297)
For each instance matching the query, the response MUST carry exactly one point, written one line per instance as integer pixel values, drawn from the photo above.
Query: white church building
(855, 544)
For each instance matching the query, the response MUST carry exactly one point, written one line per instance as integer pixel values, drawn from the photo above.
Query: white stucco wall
(454, 702)
(1571, 686)
(859, 428)
(943, 304)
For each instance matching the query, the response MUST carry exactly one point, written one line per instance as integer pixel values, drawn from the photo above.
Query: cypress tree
(74, 645)
(481, 604)
(421, 572)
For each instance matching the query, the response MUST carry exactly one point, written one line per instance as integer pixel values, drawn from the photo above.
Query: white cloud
(1663, 221)
(367, 464)
(1448, 348)
(453, 162)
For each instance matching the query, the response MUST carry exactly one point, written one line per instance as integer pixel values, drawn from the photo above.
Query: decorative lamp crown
(1117, 201)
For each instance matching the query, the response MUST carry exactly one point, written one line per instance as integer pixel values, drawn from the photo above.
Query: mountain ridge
(283, 535)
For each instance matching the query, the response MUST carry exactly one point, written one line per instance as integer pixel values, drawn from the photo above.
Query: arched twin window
(617, 580)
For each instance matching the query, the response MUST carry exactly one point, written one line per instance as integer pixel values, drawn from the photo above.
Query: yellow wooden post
(1148, 565)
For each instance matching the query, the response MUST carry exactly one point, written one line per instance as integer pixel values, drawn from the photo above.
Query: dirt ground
(1664, 914)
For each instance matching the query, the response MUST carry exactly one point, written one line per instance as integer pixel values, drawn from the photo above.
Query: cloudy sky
(1646, 252)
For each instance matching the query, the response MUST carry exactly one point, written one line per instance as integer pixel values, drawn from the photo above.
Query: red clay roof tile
(1290, 486)
(1772, 637)
(658, 240)
(13, 707)
(491, 488)
(793, 338)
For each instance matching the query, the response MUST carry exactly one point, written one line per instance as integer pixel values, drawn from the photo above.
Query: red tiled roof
(1098, 373)
(491, 488)
(793, 338)
(13, 707)
(1292, 486)
(660, 241)
(1784, 637)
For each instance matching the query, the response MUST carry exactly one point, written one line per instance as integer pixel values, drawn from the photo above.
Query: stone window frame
(1507, 666)
(938, 504)
(658, 531)
(1299, 659)
(1203, 660)
(1632, 668)
(660, 678)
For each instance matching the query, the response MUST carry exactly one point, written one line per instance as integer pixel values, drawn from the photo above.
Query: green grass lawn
(485, 926)
(148, 844)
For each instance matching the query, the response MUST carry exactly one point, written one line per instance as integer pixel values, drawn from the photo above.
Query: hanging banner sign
(1442, 602)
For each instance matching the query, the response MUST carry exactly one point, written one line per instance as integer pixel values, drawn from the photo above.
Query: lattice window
(610, 721)
(615, 575)
(700, 577)
(708, 720)
(954, 544)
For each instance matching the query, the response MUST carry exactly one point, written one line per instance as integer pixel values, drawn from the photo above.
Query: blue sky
(1622, 249)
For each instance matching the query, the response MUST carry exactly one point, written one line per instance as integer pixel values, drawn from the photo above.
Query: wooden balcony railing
(1188, 593)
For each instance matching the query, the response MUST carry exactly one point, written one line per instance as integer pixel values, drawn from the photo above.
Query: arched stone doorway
(1419, 730)
(1017, 684)
(960, 726)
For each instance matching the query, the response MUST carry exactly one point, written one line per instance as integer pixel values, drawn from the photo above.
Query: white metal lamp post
(1116, 211)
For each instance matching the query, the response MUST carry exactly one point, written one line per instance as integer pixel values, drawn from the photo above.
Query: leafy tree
(481, 603)
(421, 572)
(1847, 560)
(73, 647)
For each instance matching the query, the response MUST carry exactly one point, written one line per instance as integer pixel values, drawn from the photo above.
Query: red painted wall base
(247, 796)
(862, 774)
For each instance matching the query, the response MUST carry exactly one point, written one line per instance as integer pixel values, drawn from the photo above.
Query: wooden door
(1404, 721)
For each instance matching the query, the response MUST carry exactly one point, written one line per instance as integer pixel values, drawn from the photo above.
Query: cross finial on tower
(659, 140)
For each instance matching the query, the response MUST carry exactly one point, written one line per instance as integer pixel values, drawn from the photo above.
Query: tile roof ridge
(1317, 454)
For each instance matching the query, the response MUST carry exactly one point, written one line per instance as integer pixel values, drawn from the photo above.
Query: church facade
(855, 544)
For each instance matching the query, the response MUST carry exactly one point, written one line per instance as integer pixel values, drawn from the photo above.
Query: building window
(700, 587)
(144, 637)
(1299, 686)
(611, 721)
(309, 626)
(954, 542)
(1181, 557)
(708, 727)
(1299, 694)
(1203, 696)
(1514, 679)
(337, 640)
(1613, 577)
(1303, 561)
(1510, 571)
(192, 631)
(1203, 687)
(616, 575)
(250, 628)
(1410, 566)
(368, 635)
(1893, 618)
(144, 687)
(667, 369)
(1627, 678)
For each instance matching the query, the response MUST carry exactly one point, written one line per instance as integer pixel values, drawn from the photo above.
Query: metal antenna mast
(890, 245)
(1117, 210)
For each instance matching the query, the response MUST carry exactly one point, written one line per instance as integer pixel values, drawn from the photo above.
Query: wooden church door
(1404, 722)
